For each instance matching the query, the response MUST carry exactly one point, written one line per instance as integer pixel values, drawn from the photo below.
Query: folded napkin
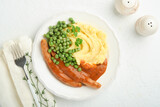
(14, 90)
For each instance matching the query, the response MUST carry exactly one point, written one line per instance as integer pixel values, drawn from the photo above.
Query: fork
(20, 61)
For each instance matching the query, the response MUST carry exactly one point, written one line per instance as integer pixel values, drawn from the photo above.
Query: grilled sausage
(58, 73)
(77, 76)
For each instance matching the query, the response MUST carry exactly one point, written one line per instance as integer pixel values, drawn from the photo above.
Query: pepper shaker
(126, 7)
(146, 25)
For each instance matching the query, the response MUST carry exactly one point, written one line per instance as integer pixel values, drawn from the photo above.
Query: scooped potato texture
(93, 48)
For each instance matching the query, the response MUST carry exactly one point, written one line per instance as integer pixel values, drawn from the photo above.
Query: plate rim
(117, 43)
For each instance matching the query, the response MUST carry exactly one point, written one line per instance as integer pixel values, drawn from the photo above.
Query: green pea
(74, 59)
(75, 62)
(51, 39)
(69, 58)
(58, 25)
(64, 44)
(61, 58)
(64, 33)
(60, 45)
(51, 44)
(57, 62)
(61, 31)
(52, 48)
(66, 55)
(58, 33)
(59, 22)
(57, 44)
(60, 28)
(47, 36)
(61, 41)
(70, 51)
(44, 35)
(73, 51)
(63, 22)
(56, 30)
(61, 25)
(49, 50)
(70, 42)
(78, 49)
(72, 64)
(61, 50)
(67, 46)
(67, 64)
(70, 54)
(76, 66)
(68, 30)
(54, 27)
(64, 40)
(79, 69)
(67, 43)
(56, 56)
(60, 37)
(59, 54)
(64, 58)
(65, 61)
(54, 38)
(54, 42)
(73, 22)
(70, 19)
(68, 39)
(54, 60)
(63, 36)
(58, 41)
(51, 30)
(64, 26)
(50, 27)
(68, 25)
(57, 51)
(51, 33)
(57, 48)
(65, 50)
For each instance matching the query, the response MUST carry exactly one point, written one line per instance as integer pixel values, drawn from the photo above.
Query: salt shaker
(146, 25)
(126, 7)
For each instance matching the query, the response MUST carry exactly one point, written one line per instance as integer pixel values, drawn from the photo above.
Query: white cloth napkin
(14, 90)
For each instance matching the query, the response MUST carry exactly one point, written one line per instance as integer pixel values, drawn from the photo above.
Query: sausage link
(58, 73)
(78, 76)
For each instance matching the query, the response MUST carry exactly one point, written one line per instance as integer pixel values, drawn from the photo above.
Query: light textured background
(137, 82)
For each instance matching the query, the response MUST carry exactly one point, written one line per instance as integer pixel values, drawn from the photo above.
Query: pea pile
(59, 42)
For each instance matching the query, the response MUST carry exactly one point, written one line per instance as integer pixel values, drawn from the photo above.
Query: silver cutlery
(20, 61)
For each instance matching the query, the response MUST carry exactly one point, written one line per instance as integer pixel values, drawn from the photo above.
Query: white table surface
(137, 82)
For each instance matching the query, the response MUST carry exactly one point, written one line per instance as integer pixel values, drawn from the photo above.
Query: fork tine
(13, 52)
(18, 50)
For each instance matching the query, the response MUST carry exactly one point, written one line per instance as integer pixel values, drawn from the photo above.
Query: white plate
(54, 85)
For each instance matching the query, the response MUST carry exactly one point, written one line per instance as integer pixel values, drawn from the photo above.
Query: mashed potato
(93, 48)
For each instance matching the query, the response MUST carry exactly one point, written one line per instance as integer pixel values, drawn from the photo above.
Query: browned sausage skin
(58, 73)
(95, 72)
(77, 76)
